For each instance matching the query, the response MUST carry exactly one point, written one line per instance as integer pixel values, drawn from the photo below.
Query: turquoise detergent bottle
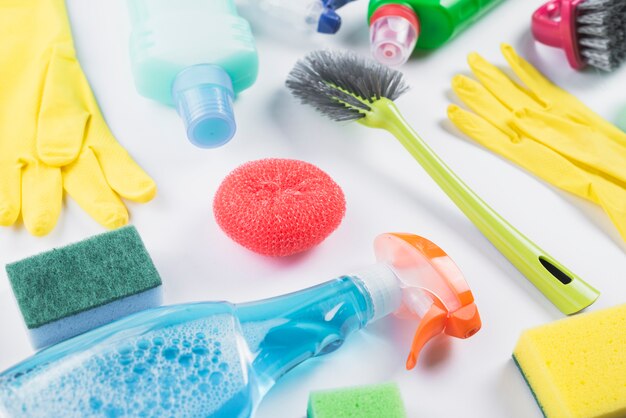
(194, 55)
(219, 359)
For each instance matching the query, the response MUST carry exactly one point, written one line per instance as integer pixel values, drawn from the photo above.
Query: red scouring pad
(278, 207)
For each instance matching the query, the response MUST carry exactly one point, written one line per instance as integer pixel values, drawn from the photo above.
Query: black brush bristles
(342, 85)
(601, 28)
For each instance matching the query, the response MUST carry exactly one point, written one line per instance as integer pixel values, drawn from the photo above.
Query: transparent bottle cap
(392, 40)
(203, 95)
(311, 13)
(283, 16)
(383, 287)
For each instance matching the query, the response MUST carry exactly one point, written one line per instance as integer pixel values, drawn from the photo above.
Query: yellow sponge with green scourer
(576, 367)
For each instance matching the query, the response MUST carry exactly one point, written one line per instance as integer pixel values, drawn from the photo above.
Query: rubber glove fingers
(63, 112)
(10, 191)
(481, 130)
(612, 199)
(557, 100)
(84, 181)
(528, 154)
(501, 86)
(104, 172)
(481, 101)
(506, 106)
(52, 133)
(545, 130)
(96, 169)
(42, 197)
(546, 164)
(33, 189)
(579, 143)
(122, 173)
(539, 86)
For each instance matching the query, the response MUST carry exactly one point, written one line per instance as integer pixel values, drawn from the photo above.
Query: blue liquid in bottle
(213, 360)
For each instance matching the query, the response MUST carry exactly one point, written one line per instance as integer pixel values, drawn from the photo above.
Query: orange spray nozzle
(431, 325)
(433, 289)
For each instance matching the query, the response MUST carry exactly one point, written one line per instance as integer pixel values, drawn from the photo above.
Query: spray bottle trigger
(433, 289)
(432, 324)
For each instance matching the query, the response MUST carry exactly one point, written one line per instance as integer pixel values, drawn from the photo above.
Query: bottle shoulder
(164, 45)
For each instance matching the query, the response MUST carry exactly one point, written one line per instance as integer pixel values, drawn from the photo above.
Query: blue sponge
(70, 290)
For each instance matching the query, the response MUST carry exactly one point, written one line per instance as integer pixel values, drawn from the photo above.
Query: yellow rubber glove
(598, 144)
(52, 135)
(539, 94)
(570, 152)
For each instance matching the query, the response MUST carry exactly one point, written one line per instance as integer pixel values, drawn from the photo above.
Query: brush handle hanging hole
(546, 26)
(553, 11)
(555, 271)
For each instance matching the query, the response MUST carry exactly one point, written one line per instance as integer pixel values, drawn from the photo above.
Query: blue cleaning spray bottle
(217, 359)
(194, 55)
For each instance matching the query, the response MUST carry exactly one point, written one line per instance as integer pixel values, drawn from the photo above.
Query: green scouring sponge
(375, 401)
(70, 290)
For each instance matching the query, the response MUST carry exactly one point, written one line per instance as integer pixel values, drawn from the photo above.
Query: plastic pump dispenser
(217, 360)
(195, 55)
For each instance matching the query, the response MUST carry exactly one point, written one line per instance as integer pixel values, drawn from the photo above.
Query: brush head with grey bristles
(342, 85)
(601, 29)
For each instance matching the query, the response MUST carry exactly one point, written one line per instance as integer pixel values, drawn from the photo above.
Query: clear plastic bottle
(217, 359)
(195, 55)
(304, 16)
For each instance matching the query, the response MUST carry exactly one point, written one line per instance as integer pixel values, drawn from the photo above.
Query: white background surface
(385, 190)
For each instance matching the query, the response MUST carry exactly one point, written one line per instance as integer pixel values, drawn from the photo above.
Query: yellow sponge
(576, 367)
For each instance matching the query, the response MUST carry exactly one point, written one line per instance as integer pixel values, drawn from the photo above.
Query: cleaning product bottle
(219, 359)
(194, 55)
(305, 16)
(397, 26)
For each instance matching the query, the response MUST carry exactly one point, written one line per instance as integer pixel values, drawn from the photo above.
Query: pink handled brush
(591, 32)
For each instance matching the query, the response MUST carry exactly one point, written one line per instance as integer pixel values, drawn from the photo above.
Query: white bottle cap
(394, 30)
(383, 287)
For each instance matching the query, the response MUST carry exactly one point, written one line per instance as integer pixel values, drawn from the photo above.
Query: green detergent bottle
(399, 26)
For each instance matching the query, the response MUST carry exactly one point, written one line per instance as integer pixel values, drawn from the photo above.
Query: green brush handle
(563, 288)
